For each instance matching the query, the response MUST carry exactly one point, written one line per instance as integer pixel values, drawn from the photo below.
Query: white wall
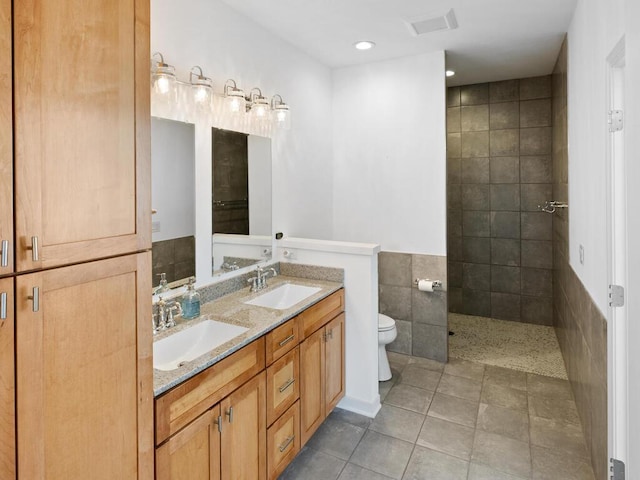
(360, 264)
(389, 154)
(227, 45)
(595, 29)
(173, 178)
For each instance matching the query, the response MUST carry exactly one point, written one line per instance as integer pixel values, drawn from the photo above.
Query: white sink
(283, 297)
(173, 351)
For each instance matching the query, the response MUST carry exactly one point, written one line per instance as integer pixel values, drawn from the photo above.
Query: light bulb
(162, 85)
(281, 116)
(234, 105)
(201, 94)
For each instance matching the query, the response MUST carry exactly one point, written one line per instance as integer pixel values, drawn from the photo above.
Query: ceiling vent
(430, 24)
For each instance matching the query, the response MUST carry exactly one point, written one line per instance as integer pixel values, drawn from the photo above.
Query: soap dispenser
(190, 301)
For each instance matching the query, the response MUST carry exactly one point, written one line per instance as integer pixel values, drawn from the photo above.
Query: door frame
(617, 248)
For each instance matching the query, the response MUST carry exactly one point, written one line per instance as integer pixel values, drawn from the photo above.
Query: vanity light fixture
(280, 112)
(202, 86)
(163, 76)
(234, 100)
(364, 45)
(449, 73)
(258, 104)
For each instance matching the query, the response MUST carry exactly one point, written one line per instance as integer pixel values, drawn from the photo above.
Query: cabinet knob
(4, 253)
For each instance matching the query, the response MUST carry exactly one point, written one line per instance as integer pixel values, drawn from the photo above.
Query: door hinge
(615, 120)
(617, 469)
(616, 296)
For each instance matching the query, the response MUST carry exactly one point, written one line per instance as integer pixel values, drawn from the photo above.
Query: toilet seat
(385, 323)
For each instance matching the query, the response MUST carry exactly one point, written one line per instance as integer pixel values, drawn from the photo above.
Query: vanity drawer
(179, 406)
(319, 314)
(283, 384)
(283, 441)
(282, 340)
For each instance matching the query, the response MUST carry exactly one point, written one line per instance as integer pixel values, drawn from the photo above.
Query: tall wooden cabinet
(7, 381)
(78, 369)
(80, 74)
(76, 217)
(6, 142)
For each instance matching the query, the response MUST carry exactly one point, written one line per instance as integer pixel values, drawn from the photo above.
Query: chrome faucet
(164, 319)
(260, 280)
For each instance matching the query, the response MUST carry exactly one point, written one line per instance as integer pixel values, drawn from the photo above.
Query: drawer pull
(3, 306)
(218, 422)
(287, 384)
(229, 413)
(35, 255)
(4, 254)
(36, 299)
(287, 340)
(286, 443)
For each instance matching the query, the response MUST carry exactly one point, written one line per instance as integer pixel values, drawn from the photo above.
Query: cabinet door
(81, 109)
(84, 371)
(7, 389)
(244, 432)
(334, 361)
(312, 373)
(6, 141)
(194, 452)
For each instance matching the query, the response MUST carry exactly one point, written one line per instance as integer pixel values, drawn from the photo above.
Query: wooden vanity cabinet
(247, 416)
(194, 452)
(322, 377)
(236, 388)
(228, 441)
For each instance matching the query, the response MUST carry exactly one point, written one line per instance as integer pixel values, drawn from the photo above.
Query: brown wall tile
(505, 91)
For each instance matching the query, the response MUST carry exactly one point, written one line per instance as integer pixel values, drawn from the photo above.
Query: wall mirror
(211, 198)
(241, 200)
(173, 199)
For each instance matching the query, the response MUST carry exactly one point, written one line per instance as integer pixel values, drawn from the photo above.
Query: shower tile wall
(421, 317)
(580, 326)
(175, 257)
(499, 169)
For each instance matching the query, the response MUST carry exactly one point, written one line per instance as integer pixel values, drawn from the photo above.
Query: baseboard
(368, 409)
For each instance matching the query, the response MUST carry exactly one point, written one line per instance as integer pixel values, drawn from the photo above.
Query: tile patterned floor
(519, 346)
(462, 420)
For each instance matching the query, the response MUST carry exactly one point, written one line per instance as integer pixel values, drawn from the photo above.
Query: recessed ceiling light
(364, 45)
(449, 73)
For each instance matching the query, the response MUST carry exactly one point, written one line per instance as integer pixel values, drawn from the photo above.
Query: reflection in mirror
(173, 199)
(241, 200)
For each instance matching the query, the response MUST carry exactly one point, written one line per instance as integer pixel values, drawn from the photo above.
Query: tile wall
(499, 169)
(421, 317)
(175, 257)
(580, 326)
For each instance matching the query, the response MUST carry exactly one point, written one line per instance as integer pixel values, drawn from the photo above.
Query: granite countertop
(232, 309)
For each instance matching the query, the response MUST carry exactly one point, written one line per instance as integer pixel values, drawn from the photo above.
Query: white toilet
(387, 333)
